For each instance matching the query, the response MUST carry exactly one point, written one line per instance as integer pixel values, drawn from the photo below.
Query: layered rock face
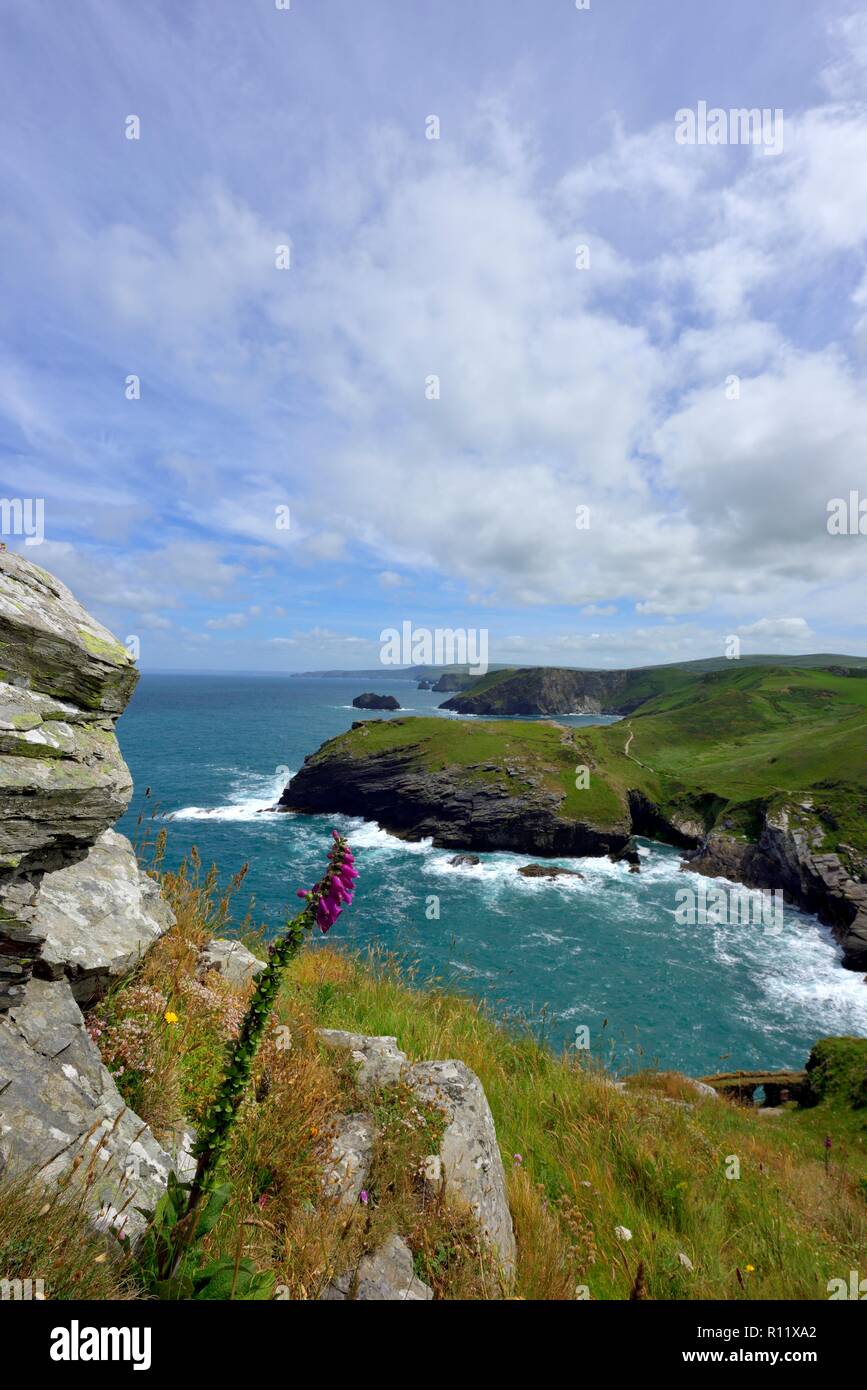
(75, 910)
(549, 690)
(785, 856)
(63, 681)
(444, 805)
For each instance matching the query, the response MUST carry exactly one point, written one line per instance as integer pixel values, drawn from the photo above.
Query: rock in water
(464, 861)
(371, 701)
(548, 871)
(628, 855)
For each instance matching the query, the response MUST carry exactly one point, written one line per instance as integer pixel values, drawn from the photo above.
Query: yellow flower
(170, 1017)
(751, 1269)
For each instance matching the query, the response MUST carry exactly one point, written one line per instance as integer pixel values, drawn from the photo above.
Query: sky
(320, 317)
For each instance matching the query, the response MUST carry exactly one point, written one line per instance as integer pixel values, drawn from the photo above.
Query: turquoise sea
(603, 952)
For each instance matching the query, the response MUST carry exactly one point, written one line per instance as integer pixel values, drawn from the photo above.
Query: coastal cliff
(421, 779)
(553, 690)
(787, 855)
(757, 776)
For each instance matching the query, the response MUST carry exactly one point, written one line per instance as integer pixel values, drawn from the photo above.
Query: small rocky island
(371, 701)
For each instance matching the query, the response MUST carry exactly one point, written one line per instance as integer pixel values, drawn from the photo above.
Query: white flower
(685, 1261)
(622, 1233)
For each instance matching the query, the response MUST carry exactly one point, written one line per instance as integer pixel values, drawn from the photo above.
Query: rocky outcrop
(64, 680)
(62, 1115)
(787, 856)
(454, 680)
(98, 918)
(547, 871)
(371, 701)
(449, 805)
(380, 1061)
(469, 1153)
(385, 1276)
(543, 690)
(76, 912)
(469, 1162)
(349, 1159)
(231, 959)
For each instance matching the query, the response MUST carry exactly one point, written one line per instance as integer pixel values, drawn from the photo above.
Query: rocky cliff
(419, 779)
(787, 855)
(550, 690)
(75, 910)
(484, 807)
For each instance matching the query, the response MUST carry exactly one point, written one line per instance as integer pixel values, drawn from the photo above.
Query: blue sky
(607, 387)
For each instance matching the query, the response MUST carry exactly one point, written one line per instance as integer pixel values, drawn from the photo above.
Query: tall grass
(652, 1158)
(586, 1162)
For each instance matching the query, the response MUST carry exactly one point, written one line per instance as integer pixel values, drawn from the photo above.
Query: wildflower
(322, 904)
(751, 1269)
(622, 1232)
(263, 1201)
(517, 1160)
(364, 1197)
(336, 889)
(170, 1017)
(685, 1261)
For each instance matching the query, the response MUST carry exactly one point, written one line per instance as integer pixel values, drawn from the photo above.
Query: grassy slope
(753, 736)
(592, 1158)
(715, 745)
(646, 682)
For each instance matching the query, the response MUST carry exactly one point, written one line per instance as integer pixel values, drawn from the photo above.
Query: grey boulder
(63, 1119)
(380, 1060)
(230, 959)
(385, 1276)
(469, 1152)
(349, 1160)
(98, 917)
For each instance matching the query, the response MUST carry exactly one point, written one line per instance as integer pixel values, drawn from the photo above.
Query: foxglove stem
(323, 906)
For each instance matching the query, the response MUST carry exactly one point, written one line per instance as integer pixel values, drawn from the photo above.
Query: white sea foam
(366, 834)
(250, 798)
